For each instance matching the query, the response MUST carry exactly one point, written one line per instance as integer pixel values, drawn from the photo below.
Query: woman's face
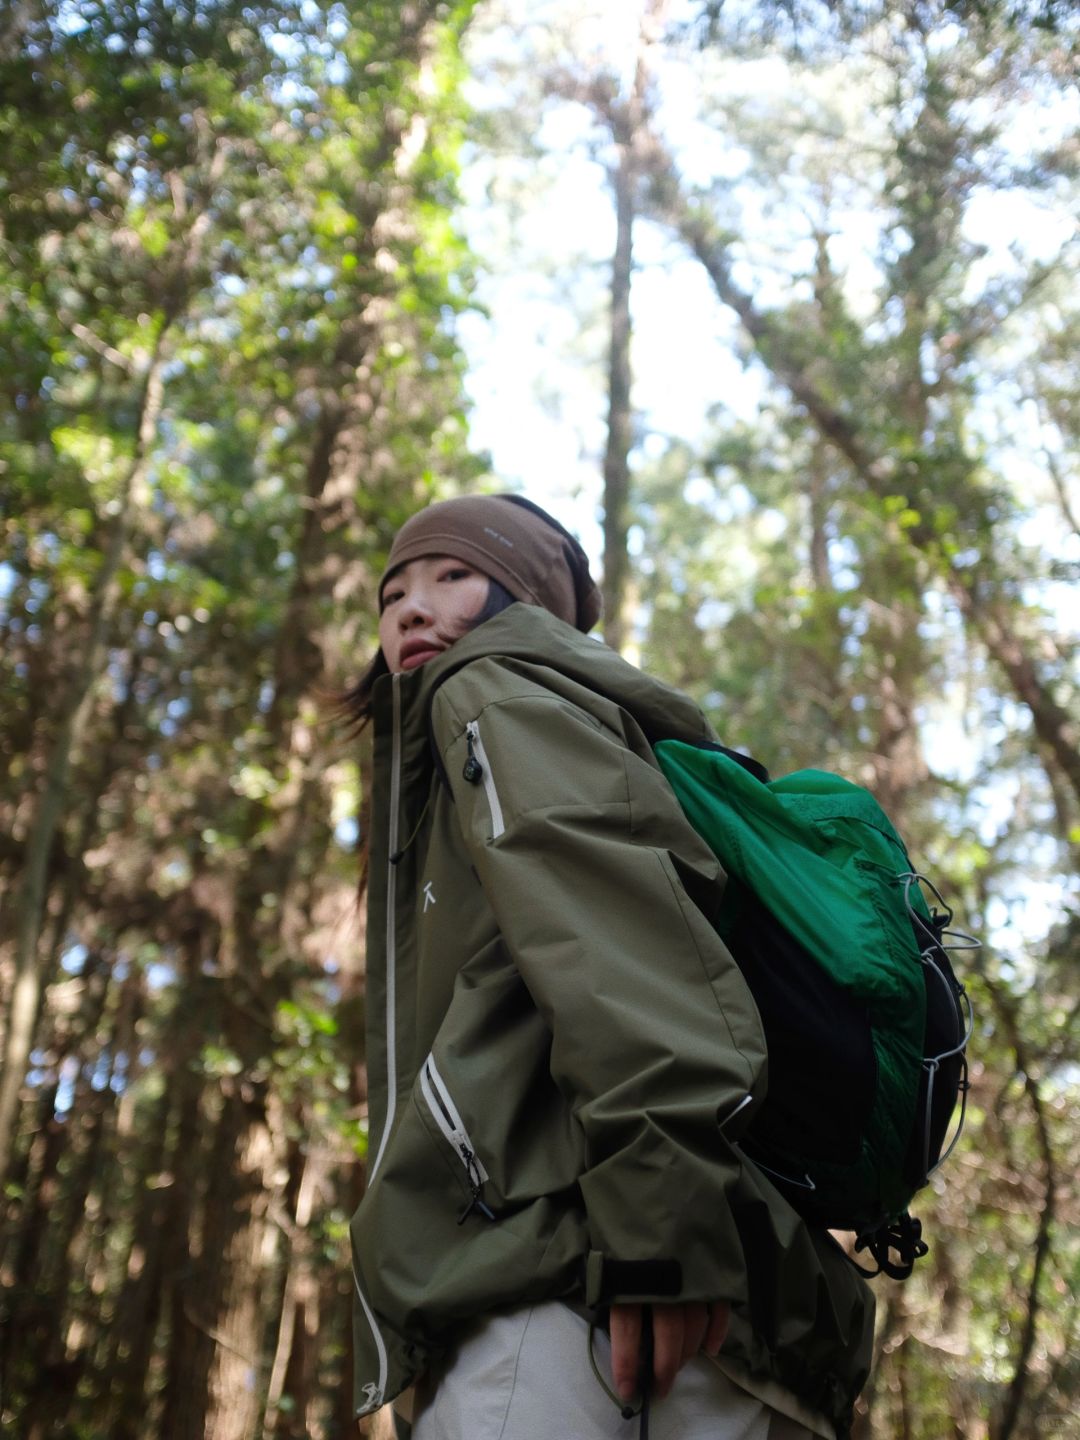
(427, 605)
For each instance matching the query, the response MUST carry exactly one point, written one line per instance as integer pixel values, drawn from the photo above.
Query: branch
(668, 201)
(218, 1338)
(956, 347)
(95, 342)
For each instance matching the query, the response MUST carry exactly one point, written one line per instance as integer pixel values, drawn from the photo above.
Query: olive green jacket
(562, 1054)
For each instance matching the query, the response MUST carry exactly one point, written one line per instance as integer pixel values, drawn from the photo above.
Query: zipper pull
(473, 770)
(476, 1201)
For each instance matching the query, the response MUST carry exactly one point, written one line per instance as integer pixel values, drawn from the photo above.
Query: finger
(668, 1327)
(716, 1333)
(695, 1325)
(625, 1349)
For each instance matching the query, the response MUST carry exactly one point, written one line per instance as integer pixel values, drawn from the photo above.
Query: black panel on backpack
(819, 1112)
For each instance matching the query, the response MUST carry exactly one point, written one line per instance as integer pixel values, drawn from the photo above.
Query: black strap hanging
(904, 1237)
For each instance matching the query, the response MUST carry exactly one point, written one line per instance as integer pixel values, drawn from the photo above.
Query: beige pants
(526, 1376)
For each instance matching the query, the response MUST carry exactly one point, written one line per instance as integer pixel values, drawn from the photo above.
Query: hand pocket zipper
(445, 1114)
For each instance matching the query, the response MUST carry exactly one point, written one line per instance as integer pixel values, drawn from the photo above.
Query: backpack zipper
(477, 769)
(445, 1114)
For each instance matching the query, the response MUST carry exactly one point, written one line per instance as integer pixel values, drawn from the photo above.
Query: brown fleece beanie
(511, 540)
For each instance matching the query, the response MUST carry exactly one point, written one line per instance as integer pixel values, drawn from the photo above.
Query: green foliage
(228, 284)
(231, 267)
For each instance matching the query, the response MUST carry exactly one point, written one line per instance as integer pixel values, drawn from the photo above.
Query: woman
(561, 1053)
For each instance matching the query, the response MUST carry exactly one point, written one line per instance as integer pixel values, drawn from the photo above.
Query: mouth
(416, 652)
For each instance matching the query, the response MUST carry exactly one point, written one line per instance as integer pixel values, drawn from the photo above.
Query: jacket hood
(536, 637)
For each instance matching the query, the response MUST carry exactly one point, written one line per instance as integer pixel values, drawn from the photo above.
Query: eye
(390, 597)
(457, 572)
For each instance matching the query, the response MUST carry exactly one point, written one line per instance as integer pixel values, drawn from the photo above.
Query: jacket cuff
(608, 1280)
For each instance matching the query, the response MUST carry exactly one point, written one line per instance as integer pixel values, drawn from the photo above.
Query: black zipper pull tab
(476, 1201)
(473, 770)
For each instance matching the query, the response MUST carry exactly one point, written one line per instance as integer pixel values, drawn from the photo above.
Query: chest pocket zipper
(477, 770)
(446, 1117)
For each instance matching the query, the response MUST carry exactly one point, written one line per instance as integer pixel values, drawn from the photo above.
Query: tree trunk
(207, 1398)
(892, 1322)
(620, 414)
(234, 1241)
(186, 1356)
(626, 121)
(107, 1184)
(36, 1259)
(228, 1306)
(158, 1252)
(75, 711)
(989, 618)
(296, 1356)
(817, 501)
(24, 1316)
(1005, 1422)
(134, 1326)
(58, 1366)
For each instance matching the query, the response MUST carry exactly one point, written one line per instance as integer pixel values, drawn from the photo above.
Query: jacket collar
(528, 634)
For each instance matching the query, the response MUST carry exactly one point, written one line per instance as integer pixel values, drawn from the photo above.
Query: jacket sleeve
(588, 863)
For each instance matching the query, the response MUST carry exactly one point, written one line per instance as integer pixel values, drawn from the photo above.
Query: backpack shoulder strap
(748, 763)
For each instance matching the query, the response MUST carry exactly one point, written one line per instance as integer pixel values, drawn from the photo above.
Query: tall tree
(625, 119)
(251, 208)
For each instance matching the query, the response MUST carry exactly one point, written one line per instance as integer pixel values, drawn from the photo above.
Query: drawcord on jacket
(399, 855)
(645, 1368)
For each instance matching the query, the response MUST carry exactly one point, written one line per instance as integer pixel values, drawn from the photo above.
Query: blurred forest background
(243, 250)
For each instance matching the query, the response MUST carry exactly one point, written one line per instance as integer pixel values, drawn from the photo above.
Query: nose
(415, 609)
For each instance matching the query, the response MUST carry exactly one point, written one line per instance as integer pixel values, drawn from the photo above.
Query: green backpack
(866, 1023)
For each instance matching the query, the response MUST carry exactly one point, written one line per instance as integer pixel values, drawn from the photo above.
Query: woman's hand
(679, 1333)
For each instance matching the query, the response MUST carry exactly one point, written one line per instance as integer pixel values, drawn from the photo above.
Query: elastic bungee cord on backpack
(941, 936)
(954, 1023)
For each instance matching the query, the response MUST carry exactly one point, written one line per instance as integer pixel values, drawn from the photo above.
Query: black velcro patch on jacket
(640, 1277)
